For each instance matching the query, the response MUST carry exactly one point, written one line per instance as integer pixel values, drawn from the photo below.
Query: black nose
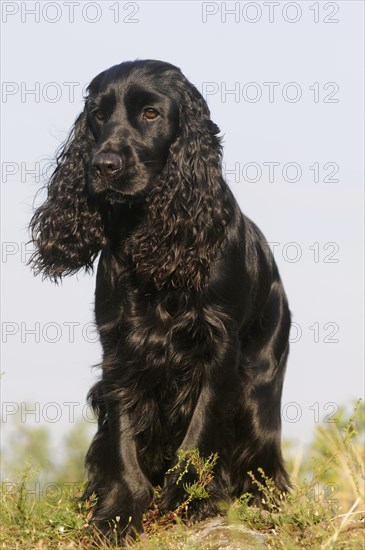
(107, 164)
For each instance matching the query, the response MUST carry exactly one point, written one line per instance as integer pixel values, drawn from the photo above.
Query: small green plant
(190, 462)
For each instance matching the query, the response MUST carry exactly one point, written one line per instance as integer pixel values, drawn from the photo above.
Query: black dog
(191, 311)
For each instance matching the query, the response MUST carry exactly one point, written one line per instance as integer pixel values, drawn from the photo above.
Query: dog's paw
(118, 512)
(175, 498)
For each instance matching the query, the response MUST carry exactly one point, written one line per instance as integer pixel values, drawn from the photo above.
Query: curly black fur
(189, 305)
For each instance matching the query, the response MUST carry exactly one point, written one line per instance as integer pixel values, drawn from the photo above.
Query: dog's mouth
(123, 184)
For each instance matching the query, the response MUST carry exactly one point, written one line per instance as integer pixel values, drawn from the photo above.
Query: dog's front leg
(115, 477)
(210, 432)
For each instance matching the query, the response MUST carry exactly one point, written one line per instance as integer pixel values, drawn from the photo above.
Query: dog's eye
(150, 114)
(99, 115)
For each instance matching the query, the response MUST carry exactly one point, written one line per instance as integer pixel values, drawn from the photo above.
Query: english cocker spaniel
(190, 308)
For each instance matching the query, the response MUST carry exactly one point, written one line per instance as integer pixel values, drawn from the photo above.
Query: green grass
(324, 511)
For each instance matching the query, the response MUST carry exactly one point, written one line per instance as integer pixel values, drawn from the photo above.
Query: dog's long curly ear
(67, 229)
(191, 207)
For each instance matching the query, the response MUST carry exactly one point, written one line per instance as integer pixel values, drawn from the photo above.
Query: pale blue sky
(321, 133)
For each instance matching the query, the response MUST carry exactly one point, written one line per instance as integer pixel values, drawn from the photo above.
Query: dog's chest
(138, 322)
(166, 337)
